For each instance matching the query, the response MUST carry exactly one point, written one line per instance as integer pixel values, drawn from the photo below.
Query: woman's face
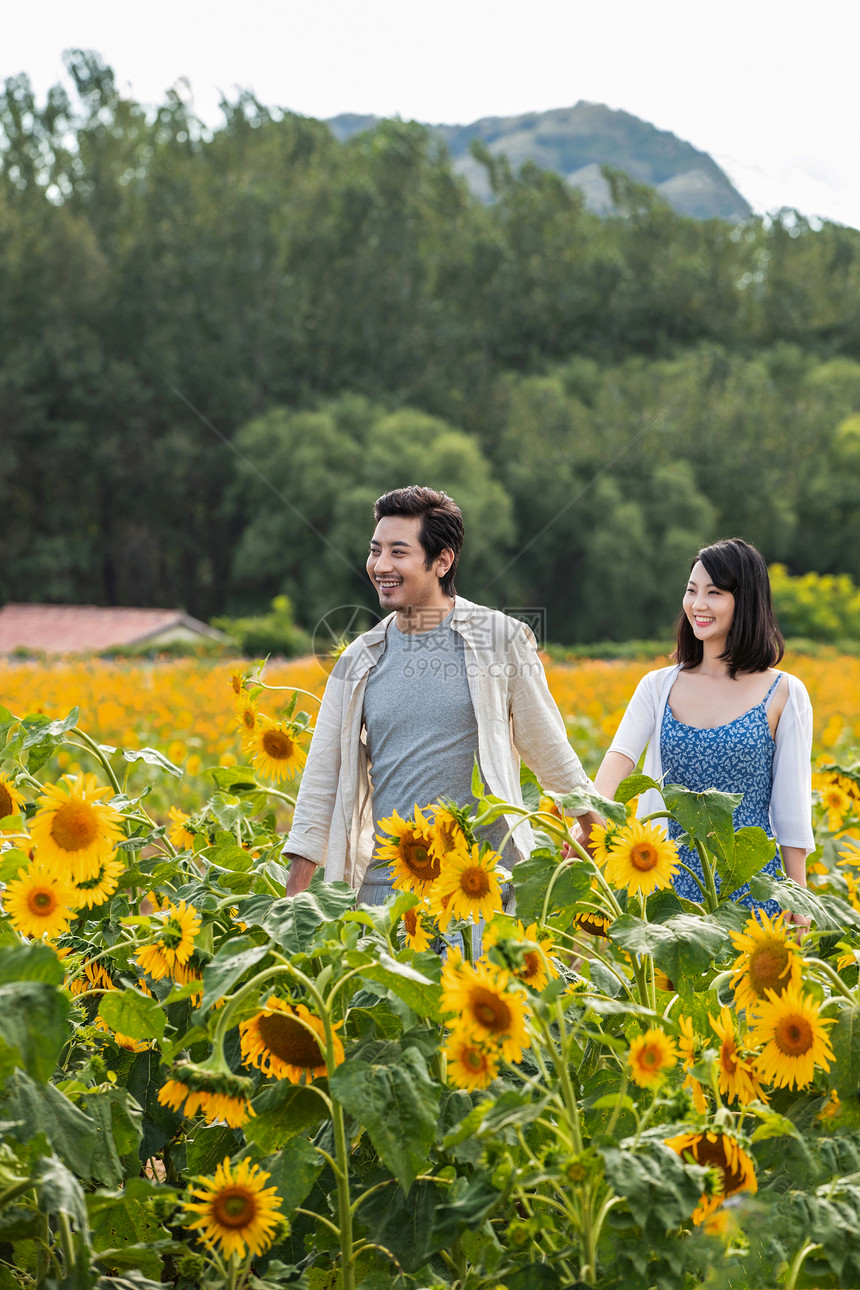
(710, 609)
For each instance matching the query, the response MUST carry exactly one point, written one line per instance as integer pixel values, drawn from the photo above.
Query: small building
(86, 629)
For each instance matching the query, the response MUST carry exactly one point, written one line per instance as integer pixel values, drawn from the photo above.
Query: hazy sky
(769, 89)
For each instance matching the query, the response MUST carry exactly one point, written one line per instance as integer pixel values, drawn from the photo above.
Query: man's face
(395, 566)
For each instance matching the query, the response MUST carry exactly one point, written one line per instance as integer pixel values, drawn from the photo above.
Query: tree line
(217, 347)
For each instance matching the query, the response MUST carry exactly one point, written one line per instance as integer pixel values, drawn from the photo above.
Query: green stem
(67, 1243)
(797, 1263)
(93, 747)
(293, 689)
(275, 792)
(694, 876)
(832, 977)
(710, 892)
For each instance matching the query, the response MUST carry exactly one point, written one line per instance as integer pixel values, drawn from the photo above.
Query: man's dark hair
(441, 524)
(754, 642)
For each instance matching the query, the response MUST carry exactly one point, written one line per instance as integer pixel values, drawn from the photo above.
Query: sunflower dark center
(793, 1036)
(729, 1056)
(650, 1057)
(7, 806)
(42, 901)
(714, 1154)
(531, 965)
(768, 967)
(593, 924)
(418, 860)
(410, 921)
(234, 1207)
(490, 1011)
(277, 745)
(288, 1040)
(473, 1060)
(75, 826)
(644, 856)
(475, 883)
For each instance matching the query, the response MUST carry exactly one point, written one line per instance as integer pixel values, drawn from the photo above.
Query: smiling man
(410, 703)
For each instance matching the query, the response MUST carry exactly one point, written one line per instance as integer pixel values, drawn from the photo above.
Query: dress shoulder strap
(767, 698)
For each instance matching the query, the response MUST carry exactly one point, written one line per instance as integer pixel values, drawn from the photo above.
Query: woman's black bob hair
(754, 642)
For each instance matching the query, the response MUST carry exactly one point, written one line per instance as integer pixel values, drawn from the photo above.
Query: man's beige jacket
(516, 718)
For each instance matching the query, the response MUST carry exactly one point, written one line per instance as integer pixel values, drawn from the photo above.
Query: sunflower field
(203, 1083)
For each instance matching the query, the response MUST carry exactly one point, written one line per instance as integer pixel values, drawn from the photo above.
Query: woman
(723, 717)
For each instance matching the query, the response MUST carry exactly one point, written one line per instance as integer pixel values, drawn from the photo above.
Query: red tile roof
(78, 629)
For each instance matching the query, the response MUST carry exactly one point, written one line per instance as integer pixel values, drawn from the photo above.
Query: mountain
(576, 142)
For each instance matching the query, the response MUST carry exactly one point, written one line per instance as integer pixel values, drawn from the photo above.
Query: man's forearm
(300, 874)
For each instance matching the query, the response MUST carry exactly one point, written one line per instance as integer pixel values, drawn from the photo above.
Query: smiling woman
(725, 718)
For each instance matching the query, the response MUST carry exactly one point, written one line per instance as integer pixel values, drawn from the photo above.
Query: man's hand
(299, 877)
(582, 833)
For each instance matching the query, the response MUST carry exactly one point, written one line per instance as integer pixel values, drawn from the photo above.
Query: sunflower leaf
(38, 728)
(294, 1170)
(399, 1107)
(133, 1014)
(33, 1023)
(845, 1041)
(228, 965)
(752, 851)
(707, 817)
(633, 785)
(152, 757)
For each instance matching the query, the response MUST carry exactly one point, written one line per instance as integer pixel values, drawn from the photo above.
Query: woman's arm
(614, 767)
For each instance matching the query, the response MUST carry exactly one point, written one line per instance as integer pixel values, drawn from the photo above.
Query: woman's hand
(582, 834)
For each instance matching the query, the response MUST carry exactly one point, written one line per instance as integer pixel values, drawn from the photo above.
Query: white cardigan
(791, 797)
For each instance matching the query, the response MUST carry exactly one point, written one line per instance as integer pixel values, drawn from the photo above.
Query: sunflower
(537, 967)
(836, 797)
(641, 859)
(480, 998)
(174, 943)
(769, 959)
(664, 982)
(275, 749)
(180, 837)
(688, 1049)
(123, 1041)
(234, 1210)
(95, 977)
(650, 1056)
(594, 923)
(184, 974)
(287, 1041)
(39, 903)
(736, 1074)
(101, 980)
(75, 830)
(447, 834)
(419, 934)
(601, 840)
(472, 1062)
(234, 1111)
(723, 1153)
(794, 1035)
(247, 717)
(99, 888)
(470, 881)
(413, 866)
(11, 801)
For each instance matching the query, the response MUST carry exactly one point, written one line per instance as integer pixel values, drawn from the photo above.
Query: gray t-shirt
(420, 724)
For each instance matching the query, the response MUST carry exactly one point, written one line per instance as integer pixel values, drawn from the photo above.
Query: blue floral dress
(734, 758)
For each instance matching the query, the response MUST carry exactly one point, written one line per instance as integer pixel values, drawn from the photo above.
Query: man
(411, 702)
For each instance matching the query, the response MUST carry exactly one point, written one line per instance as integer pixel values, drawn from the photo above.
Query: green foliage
(819, 607)
(262, 635)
